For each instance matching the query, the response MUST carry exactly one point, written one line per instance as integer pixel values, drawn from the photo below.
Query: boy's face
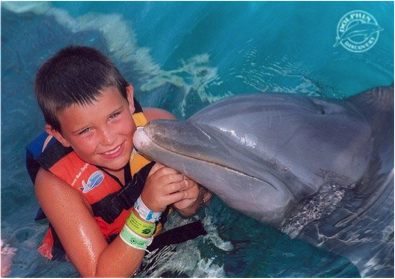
(102, 133)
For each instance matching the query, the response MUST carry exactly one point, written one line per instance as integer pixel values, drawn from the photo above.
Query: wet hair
(74, 76)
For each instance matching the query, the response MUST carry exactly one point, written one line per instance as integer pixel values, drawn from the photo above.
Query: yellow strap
(139, 119)
(137, 161)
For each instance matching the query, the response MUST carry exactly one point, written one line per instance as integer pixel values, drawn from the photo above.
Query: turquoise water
(181, 56)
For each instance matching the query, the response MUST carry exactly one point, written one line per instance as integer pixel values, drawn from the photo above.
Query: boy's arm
(79, 233)
(156, 113)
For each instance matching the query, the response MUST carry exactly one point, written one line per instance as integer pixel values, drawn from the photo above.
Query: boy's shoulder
(157, 113)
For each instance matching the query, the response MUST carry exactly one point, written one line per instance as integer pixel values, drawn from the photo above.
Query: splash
(37, 7)
(195, 75)
(263, 74)
(186, 259)
(7, 255)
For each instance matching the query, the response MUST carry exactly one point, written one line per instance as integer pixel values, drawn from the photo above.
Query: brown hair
(74, 75)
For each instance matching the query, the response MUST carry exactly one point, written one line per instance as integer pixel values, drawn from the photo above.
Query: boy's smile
(114, 153)
(101, 132)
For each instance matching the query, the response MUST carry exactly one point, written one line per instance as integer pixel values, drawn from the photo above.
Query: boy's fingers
(159, 170)
(167, 180)
(174, 197)
(174, 187)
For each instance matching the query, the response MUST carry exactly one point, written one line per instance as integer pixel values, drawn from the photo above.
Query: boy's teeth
(112, 151)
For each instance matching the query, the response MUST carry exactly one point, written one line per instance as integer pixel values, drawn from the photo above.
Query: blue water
(181, 56)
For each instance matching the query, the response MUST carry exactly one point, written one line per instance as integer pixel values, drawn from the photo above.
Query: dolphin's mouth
(149, 147)
(264, 197)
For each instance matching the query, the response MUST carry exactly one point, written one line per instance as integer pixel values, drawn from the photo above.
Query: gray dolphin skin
(317, 169)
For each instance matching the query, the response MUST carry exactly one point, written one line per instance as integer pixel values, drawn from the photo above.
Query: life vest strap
(53, 154)
(177, 235)
(111, 206)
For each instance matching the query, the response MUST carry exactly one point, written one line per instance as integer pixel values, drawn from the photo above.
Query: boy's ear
(48, 128)
(129, 96)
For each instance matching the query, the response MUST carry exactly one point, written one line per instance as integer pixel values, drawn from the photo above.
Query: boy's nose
(108, 137)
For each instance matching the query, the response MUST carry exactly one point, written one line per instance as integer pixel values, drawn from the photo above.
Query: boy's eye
(114, 115)
(86, 130)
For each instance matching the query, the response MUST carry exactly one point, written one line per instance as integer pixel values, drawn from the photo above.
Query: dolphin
(317, 169)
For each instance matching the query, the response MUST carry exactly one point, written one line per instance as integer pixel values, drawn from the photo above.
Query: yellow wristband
(139, 226)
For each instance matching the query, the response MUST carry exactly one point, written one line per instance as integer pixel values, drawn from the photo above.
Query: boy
(102, 199)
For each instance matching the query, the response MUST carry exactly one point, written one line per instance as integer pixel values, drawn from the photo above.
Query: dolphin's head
(262, 153)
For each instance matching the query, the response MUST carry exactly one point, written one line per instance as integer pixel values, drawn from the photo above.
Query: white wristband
(146, 213)
(134, 240)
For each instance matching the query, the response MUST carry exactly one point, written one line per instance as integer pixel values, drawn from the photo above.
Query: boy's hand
(191, 194)
(194, 197)
(164, 186)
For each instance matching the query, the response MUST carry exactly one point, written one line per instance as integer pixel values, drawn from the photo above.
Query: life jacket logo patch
(93, 181)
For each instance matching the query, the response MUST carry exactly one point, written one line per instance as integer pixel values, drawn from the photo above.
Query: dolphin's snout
(140, 139)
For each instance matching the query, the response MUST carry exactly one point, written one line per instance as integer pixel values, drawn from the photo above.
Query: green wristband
(139, 226)
(134, 240)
